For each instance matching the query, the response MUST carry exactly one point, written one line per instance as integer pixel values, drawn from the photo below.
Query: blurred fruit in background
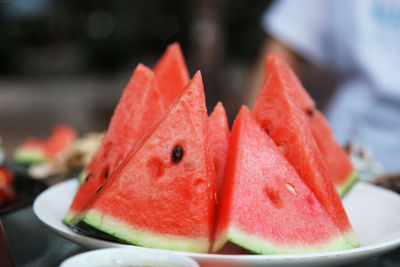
(7, 193)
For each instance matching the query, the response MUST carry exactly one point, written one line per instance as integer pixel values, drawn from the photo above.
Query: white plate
(373, 212)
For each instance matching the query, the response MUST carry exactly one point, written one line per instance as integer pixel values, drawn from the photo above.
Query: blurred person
(359, 41)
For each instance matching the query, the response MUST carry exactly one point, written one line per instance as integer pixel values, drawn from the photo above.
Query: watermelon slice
(218, 132)
(61, 139)
(139, 107)
(33, 151)
(171, 73)
(162, 195)
(265, 205)
(278, 111)
(338, 163)
(291, 80)
(336, 158)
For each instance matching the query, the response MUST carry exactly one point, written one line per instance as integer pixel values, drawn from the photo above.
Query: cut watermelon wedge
(290, 79)
(31, 151)
(339, 167)
(60, 141)
(336, 158)
(218, 132)
(278, 111)
(162, 195)
(171, 73)
(265, 205)
(139, 107)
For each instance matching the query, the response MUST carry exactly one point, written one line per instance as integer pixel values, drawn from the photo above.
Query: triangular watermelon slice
(291, 80)
(139, 107)
(163, 194)
(60, 142)
(278, 111)
(171, 73)
(265, 205)
(339, 167)
(218, 132)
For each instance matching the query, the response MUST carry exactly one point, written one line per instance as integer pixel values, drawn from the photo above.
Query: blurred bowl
(123, 257)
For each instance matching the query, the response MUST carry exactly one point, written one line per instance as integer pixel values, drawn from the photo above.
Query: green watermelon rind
(68, 218)
(142, 237)
(81, 177)
(352, 238)
(29, 156)
(344, 188)
(70, 214)
(263, 246)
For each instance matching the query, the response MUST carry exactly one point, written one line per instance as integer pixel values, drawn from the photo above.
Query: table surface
(33, 244)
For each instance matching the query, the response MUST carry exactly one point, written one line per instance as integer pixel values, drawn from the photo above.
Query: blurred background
(68, 61)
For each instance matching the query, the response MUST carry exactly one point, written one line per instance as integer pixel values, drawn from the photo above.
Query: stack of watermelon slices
(167, 176)
(141, 104)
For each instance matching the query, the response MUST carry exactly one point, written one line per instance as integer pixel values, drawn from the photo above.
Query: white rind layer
(142, 237)
(264, 246)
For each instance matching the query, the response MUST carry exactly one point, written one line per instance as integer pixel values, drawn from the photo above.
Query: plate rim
(369, 250)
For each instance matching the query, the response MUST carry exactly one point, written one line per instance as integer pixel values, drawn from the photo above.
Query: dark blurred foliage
(102, 35)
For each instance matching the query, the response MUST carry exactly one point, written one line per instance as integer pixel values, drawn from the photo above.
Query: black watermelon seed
(310, 112)
(177, 154)
(99, 189)
(87, 177)
(106, 174)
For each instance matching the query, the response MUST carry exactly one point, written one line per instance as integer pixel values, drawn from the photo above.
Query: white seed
(291, 189)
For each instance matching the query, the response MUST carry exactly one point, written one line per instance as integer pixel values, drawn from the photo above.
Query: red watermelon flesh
(277, 110)
(265, 205)
(171, 73)
(336, 158)
(139, 107)
(60, 140)
(339, 167)
(291, 80)
(218, 132)
(161, 196)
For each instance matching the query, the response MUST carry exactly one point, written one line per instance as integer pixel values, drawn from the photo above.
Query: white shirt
(360, 40)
